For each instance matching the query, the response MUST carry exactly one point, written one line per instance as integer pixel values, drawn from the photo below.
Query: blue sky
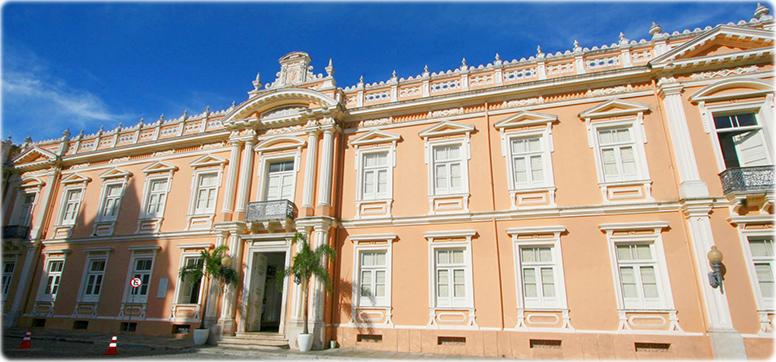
(80, 66)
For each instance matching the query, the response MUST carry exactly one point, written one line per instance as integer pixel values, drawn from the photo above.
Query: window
(450, 277)
(110, 202)
(141, 269)
(8, 268)
(618, 158)
(25, 209)
(157, 195)
(742, 140)
(527, 161)
(71, 205)
(188, 293)
(207, 184)
(95, 272)
(761, 249)
(374, 175)
(53, 277)
(637, 267)
(539, 277)
(280, 181)
(372, 278)
(447, 169)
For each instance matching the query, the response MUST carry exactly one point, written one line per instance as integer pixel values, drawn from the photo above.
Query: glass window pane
(380, 259)
(746, 119)
(455, 175)
(443, 257)
(623, 252)
(545, 254)
(528, 255)
(459, 283)
(518, 146)
(643, 252)
(534, 144)
(457, 256)
(521, 176)
(609, 161)
(537, 172)
(761, 247)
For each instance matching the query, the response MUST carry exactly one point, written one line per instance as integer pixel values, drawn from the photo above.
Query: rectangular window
(110, 202)
(450, 277)
(617, 152)
(527, 161)
(447, 169)
(155, 200)
(374, 176)
(25, 209)
(280, 181)
(372, 278)
(8, 268)
(53, 277)
(95, 272)
(141, 268)
(763, 260)
(71, 205)
(637, 266)
(207, 185)
(188, 293)
(539, 276)
(742, 140)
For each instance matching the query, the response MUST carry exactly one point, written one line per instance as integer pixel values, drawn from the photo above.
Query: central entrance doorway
(266, 292)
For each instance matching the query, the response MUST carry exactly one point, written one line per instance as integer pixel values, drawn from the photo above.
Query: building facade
(560, 206)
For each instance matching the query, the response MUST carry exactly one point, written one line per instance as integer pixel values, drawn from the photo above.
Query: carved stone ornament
(724, 73)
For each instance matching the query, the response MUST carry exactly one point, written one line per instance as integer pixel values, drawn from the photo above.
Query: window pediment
(34, 155)
(115, 173)
(614, 108)
(732, 89)
(525, 119)
(75, 178)
(447, 128)
(29, 182)
(160, 167)
(375, 137)
(279, 143)
(209, 160)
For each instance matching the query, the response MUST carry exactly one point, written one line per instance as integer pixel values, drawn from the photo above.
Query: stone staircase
(255, 341)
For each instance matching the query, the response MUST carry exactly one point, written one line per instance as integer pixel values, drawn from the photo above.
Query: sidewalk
(130, 340)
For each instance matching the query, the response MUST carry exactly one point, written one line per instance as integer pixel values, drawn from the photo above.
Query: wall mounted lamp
(715, 261)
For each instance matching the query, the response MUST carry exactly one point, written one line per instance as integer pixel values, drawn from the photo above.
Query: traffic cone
(26, 341)
(112, 351)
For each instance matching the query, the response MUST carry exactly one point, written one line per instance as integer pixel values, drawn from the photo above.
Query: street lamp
(226, 261)
(715, 261)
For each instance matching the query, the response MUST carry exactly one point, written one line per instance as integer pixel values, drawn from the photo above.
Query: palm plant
(306, 264)
(209, 267)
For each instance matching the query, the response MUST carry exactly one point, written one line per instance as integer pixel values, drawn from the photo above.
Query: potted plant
(306, 264)
(213, 265)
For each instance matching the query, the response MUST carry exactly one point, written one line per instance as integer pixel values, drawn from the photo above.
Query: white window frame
(544, 153)
(195, 191)
(7, 280)
(759, 108)
(92, 298)
(465, 244)
(372, 242)
(20, 217)
(361, 170)
(763, 304)
(101, 217)
(638, 140)
(264, 163)
(140, 253)
(147, 193)
(463, 159)
(42, 296)
(666, 301)
(63, 205)
(179, 281)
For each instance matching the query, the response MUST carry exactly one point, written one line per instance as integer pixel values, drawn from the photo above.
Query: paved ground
(53, 345)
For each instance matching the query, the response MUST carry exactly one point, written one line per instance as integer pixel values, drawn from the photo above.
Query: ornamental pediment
(208, 160)
(279, 143)
(75, 179)
(446, 128)
(34, 155)
(614, 108)
(160, 167)
(524, 119)
(115, 173)
(282, 107)
(719, 43)
(732, 89)
(375, 137)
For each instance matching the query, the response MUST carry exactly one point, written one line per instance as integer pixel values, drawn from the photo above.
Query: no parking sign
(135, 282)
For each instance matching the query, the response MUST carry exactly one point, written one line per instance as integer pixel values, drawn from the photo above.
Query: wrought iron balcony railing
(15, 232)
(747, 179)
(271, 210)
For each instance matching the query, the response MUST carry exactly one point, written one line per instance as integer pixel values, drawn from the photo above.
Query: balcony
(15, 232)
(747, 180)
(271, 215)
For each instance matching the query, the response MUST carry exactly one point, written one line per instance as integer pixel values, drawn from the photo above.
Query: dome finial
(655, 30)
(761, 12)
(257, 82)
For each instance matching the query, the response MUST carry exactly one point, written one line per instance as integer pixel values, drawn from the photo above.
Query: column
(231, 179)
(690, 184)
(309, 168)
(25, 277)
(324, 180)
(229, 301)
(318, 290)
(212, 297)
(726, 342)
(244, 184)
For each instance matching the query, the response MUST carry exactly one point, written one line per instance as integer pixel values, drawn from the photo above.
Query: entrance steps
(255, 341)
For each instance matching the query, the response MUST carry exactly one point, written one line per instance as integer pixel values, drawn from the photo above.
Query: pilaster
(229, 300)
(246, 168)
(329, 127)
(309, 169)
(231, 179)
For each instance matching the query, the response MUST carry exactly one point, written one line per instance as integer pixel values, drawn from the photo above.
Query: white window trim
(104, 199)
(762, 110)
(194, 186)
(465, 156)
(147, 194)
(63, 205)
(390, 165)
(179, 280)
(359, 247)
(9, 259)
(639, 139)
(21, 194)
(545, 136)
(558, 272)
(465, 244)
(42, 296)
(764, 306)
(139, 253)
(92, 256)
(264, 162)
(664, 283)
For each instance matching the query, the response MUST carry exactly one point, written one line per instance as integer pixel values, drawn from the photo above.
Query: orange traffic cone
(26, 341)
(112, 351)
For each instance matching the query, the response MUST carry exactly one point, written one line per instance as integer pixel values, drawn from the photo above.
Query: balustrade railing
(747, 179)
(271, 210)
